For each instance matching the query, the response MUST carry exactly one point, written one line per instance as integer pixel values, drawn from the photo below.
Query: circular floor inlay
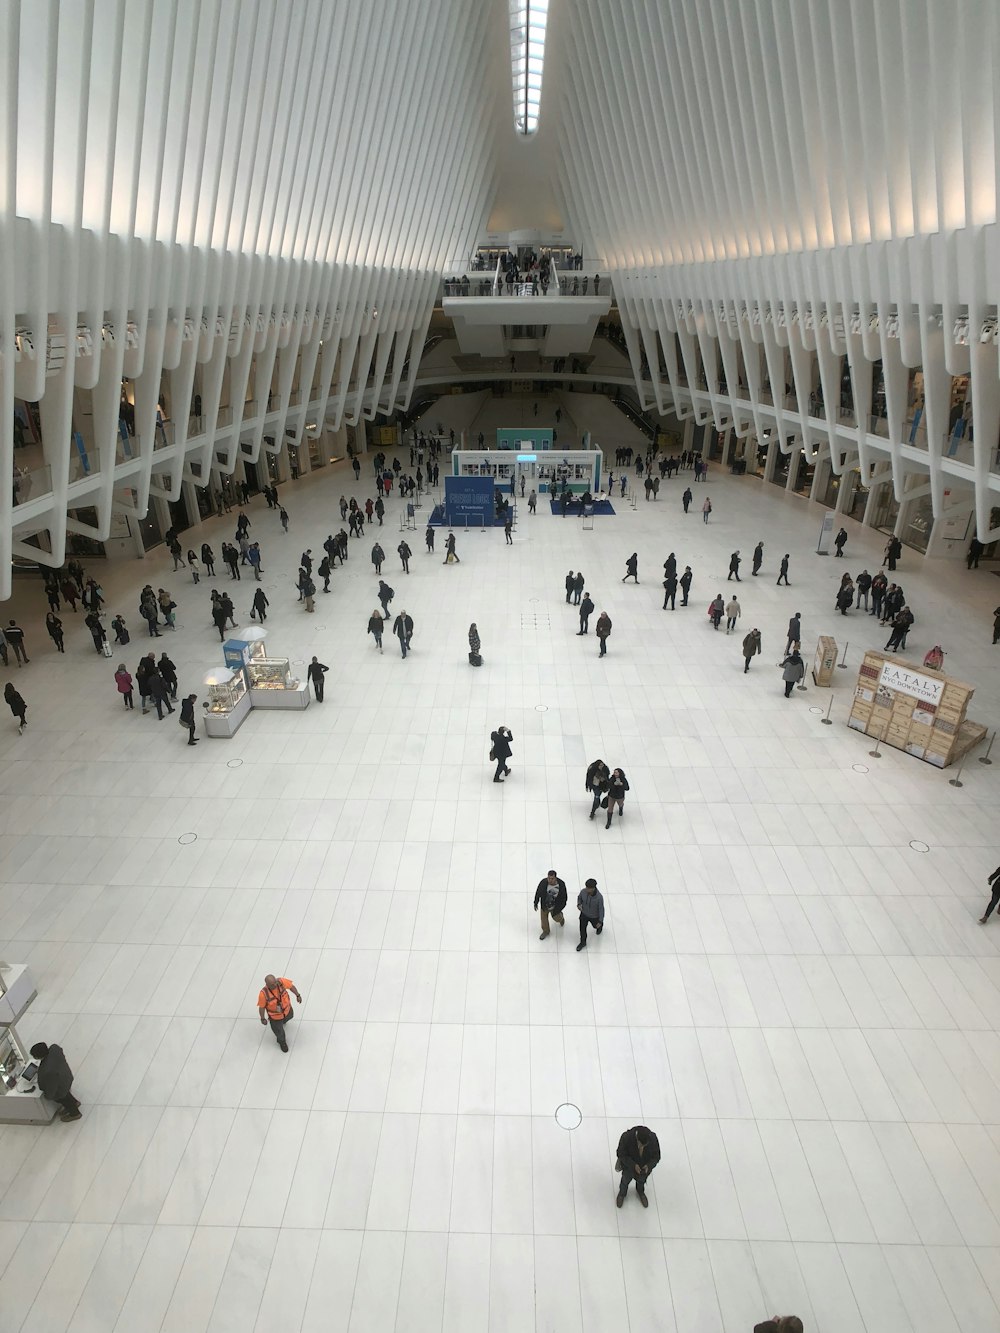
(814, 709)
(860, 768)
(919, 846)
(186, 838)
(541, 708)
(233, 763)
(568, 1116)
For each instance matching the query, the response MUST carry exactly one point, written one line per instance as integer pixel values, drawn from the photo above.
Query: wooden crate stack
(938, 736)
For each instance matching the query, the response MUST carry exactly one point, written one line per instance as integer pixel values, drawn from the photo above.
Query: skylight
(527, 55)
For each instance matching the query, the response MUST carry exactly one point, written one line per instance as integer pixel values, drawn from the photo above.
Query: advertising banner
(468, 499)
(925, 688)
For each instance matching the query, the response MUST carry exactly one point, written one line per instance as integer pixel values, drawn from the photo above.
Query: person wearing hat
(550, 899)
(591, 907)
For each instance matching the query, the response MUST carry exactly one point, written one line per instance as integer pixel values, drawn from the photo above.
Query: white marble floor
(802, 1007)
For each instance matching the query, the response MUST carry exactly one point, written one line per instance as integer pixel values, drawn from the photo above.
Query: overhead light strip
(527, 56)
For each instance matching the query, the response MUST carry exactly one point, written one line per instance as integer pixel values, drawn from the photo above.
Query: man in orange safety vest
(275, 1006)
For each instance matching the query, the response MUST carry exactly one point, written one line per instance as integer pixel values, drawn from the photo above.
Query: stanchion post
(842, 664)
(986, 757)
(826, 720)
(876, 753)
(956, 781)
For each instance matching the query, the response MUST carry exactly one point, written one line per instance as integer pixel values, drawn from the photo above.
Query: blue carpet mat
(601, 507)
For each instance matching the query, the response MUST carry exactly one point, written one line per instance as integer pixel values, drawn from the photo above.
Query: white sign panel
(913, 683)
(823, 545)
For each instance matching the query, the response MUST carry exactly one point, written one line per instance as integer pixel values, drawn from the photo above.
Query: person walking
(900, 628)
(323, 569)
(500, 750)
(402, 627)
(378, 556)
(590, 905)
(550, 900)
(751, 647)
(976, 549)
(17, 706)
(121, 630)
(638, 1154)
(375, 626)
(385, 596)
(598, 775)
(258, 608)
(275, 1007)
(54, 626)
(994, 883)
(508, 528)
(315, 672)
(996, 625)
(14, 635)
(840, 541)
(732, 614)
(617, 787)
(168, 671)
(55, 1079)
(893, 550)
(686, 499)
(586, 611)
(758, 558)
(475, 646)
(632, 568)
(187, 717)
(451, 555)
(603, 631)
(794, 632)
(716, 610)
(93, 622)
(219, 619)
(208, 559)
(845, 595)
(309, 594)
(792, 671)
(253, 555)
(156, 688)
(194, 564)
(734, 567)
(379, 509)
(783, 570)
(429, 539)
(532, 501)
(706, 509)
(404, 553)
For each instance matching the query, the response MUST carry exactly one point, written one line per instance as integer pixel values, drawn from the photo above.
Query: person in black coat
(586, 611)
(780, 1323)
(208, 559)
(375, 627)
(259, 605)
(617, 787)
(758, 558)
(378, 555)
(734, 567)
(685, 582)
(385, 596)
(578, 584)
(632, 567)
(404, 554)
(157, 689)
(475, 646)
(219, 617)
(550, 900)
(168, 671)
(500, 741)
(55, 1079)
(794, 631)
(994, 883)
(316, 671)
(638, 1154)
(187, 716)
(840, 541)
(402, 627)
(670, 592)
(670, 566)
(570, 584)
(16, 705)
(783, 571)
(597, 783)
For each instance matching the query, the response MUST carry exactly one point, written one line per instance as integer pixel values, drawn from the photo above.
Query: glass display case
(228, 701)
(17, 990)
(21, 1100)
(272, 684)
